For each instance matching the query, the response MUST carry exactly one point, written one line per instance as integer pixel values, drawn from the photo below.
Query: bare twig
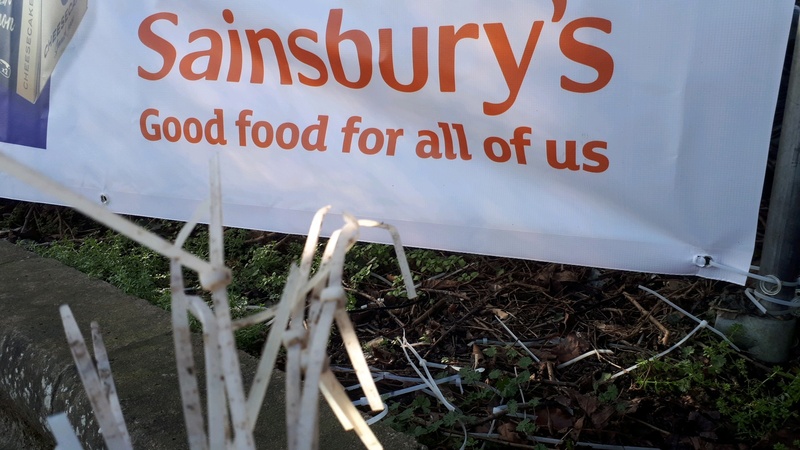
(664, 331)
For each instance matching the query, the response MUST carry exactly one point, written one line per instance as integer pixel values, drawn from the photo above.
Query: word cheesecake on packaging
(42, 29)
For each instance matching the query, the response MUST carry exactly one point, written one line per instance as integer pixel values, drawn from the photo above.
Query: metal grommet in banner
(103, 199)
(702, 261)
(774, 289)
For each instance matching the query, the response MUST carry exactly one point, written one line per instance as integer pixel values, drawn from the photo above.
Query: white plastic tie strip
(703, 324)
(517, 341)
(687, 314)
(584, 356)
(769, 285)
(108, 416)
(749, 294)
(792, 304)
(455, 379)
(428, 379)
(63, 432)
(765, 280)
(487, 342)
(378, 417)
(231, 414)
(501, 408)
(785, 283)
(430, 382)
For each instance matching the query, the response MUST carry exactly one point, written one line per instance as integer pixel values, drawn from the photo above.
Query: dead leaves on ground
(560, 312)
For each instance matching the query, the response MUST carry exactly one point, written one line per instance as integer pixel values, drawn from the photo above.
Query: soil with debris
(559, 313)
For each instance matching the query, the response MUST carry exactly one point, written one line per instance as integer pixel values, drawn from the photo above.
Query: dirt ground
(561, 312)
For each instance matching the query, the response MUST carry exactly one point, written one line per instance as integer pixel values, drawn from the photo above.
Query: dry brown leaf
(566, 276)
(440, 284)
(508, 432)
(503, 315)
(553, 418)
(591, 405)
(564, 401)
(633, 405)
(375, 343)
(588, 403)
(570, 347)
(545, 275)
(577, 428)
(601, 417)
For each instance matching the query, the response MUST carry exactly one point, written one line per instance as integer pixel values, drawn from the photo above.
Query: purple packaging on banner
(23, 122)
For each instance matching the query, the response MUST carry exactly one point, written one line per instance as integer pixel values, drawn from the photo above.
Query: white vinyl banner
(608, 133)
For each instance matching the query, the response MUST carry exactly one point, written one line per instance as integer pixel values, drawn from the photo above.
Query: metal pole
(769, 338)
(781, 252)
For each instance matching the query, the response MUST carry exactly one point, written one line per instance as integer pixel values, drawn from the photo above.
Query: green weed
(755, 405)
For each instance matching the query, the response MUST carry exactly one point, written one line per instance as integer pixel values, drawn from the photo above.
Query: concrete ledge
(38, 378)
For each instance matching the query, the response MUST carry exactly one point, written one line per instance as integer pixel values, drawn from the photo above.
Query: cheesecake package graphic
(33, 36)
(45, 28)
(9, 43)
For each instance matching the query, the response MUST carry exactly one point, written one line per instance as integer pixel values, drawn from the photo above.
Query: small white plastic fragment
(63, 432)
